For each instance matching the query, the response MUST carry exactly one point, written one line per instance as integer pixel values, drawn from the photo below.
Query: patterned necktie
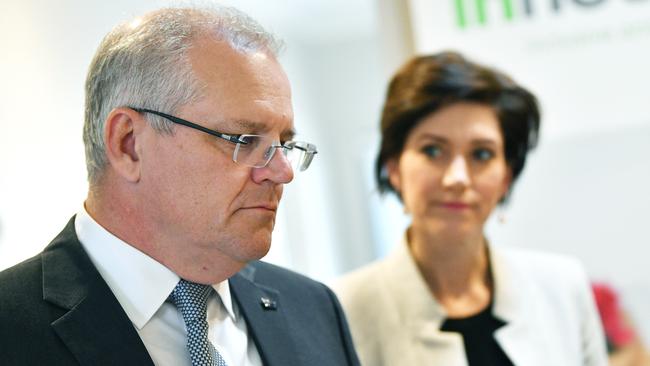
(191, 299)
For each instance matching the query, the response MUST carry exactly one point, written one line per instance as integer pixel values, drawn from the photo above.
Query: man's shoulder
(30, 271)
(298, 292)
(17, 277)
(311, 314)
(22, 293)
(275, 276)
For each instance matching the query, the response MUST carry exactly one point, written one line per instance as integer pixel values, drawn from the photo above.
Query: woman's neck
(456, 269)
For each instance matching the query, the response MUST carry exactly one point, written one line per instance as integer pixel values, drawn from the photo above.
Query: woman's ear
(507, 184)
(121, 132)
(394, 178)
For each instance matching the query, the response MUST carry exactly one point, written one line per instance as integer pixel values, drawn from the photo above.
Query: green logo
(478, 9)
(470, 12)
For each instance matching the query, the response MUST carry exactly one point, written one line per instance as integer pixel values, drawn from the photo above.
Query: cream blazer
(545, 300)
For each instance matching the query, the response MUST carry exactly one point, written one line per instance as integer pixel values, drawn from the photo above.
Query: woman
(454, 140)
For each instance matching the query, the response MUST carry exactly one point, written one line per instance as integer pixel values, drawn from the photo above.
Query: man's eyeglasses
(253, 150)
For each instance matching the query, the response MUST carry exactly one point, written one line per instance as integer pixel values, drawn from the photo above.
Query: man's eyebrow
(259, 127)
(288, 135)
(249, 125)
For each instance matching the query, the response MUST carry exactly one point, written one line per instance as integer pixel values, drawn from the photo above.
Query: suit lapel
(265, 317)
(95, 328)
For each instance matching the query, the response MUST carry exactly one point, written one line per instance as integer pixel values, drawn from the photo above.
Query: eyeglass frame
(235, 139)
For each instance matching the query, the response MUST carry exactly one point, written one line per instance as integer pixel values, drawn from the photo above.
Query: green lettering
(480, 12)
(507, 9)
(461, 20)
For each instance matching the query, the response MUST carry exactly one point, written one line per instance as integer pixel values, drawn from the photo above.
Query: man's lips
(264, 206)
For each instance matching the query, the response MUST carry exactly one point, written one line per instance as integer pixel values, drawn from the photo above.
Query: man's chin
(255, 247)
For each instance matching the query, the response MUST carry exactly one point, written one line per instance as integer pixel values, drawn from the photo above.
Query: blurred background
(584, 191)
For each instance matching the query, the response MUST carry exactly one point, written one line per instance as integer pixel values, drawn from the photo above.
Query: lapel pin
(268, 304)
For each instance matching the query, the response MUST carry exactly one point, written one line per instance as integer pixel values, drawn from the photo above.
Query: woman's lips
(455, 205)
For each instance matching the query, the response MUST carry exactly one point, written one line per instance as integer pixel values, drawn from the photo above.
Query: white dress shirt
(142, 285)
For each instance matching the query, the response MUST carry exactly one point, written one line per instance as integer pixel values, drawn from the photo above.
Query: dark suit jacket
(56, 309)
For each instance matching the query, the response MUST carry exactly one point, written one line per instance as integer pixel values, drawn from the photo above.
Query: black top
(478, 330)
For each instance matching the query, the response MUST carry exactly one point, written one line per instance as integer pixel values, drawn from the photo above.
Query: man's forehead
(214, 59)
(249, 91)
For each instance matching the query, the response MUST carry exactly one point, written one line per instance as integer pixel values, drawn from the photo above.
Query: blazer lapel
(95, 328)
(416, 315)
(513, 303)
(265, 317)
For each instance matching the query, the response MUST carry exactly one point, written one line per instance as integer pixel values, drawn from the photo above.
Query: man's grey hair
(144, 63)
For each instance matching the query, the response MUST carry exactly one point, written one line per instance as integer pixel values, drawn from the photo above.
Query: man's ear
(121, 132)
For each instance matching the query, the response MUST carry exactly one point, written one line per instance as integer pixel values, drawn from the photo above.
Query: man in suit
(188, 134)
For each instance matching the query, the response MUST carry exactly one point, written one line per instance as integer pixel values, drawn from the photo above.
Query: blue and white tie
(191, 299)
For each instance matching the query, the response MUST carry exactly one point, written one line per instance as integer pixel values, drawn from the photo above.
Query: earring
(502, 217)
(405, 209)
(501, 207)
(501, 214)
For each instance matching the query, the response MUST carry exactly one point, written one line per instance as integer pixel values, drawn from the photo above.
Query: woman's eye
(432, 151)
(482, 154)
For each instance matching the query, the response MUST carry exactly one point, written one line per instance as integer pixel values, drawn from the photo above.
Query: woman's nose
(457, 173)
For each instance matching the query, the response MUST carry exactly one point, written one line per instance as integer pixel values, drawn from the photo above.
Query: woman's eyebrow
(431, 136)
(484, 141)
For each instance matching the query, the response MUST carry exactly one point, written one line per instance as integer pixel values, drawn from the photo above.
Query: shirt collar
(223, 289)
(139, 282)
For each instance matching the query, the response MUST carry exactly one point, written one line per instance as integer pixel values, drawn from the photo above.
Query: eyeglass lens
(258, 150)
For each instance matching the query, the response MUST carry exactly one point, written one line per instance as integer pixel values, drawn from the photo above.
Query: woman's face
(452, 171)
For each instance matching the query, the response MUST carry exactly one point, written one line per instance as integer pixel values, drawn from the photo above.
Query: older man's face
(200, 198)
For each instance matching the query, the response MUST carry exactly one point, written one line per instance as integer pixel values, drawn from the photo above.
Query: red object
(617, 331)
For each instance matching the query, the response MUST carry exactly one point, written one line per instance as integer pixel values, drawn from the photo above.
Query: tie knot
(191, 300)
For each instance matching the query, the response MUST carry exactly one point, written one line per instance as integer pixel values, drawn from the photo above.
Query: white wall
(44, 55)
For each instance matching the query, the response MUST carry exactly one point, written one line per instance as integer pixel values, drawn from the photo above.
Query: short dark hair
(426, 84)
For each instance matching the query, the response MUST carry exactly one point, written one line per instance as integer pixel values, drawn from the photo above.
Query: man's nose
(457, 173)
(278, 170)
